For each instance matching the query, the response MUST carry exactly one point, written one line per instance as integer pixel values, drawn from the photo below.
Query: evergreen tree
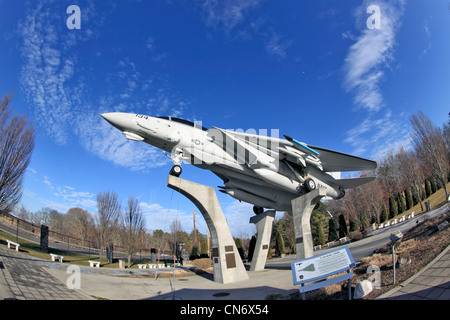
(427, 188)
(269, 253)
(279, 246)
(392, 207)
(424, 196)
(194, 253)
(238, 243)
(332, 234)
(364, 220)
(354, 226)
(415, 196)
(320, 234)
(374, 219)
(204, 249)
(400, 203)
(383, 214)
(409, 198)
(343, 230)
(251, 248)
(433, 185)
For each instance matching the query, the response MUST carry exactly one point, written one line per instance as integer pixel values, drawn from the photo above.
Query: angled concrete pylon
(264, 223)
(302, 208)
(227, 263)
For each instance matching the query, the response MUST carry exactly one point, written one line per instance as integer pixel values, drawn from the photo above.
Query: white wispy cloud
(67, 197)
(378, 133)
(237, 20)
(45, 73)
(277, 45)
(238, 215)
(159, 217)
(426, 31)
(56, 88)
(367, 60)
(108, 143)
(227, 14)
(371, 54)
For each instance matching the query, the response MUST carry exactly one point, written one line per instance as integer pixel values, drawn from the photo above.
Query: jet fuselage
(267, 172)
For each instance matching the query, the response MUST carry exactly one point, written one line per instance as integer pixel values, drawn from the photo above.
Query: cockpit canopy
(186, 122)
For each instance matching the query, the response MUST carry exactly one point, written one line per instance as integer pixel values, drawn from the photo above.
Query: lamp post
(395, 237)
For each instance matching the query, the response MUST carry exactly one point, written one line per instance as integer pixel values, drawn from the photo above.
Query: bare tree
(133, 222)
(16, 147)
(41, 216)
(107, 219)
(158, 240)
(412, 171)
(78, 222)
(175, 230)
(388, 173)
(446, 133)
(370, 198)
(55, 220)
(430, 147)
(23, 213)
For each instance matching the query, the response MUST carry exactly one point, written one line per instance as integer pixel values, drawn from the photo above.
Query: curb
(404, 283)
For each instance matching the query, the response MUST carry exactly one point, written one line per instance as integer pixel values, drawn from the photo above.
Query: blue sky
(311, 69)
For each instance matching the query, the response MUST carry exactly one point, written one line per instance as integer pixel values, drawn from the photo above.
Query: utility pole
(207, 239)
(195, 241)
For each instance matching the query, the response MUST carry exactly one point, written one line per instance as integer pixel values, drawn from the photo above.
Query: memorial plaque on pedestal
(44, 239)
(109, 253)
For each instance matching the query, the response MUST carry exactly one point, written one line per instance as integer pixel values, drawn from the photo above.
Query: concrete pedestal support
(227, 263)
(302, 208)
(264, 223)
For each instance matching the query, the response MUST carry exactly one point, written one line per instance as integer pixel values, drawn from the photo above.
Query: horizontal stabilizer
(353, 183)
(337, 161)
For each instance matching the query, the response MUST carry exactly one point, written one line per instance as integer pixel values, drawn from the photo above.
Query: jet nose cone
(117, 119)
(108, 116)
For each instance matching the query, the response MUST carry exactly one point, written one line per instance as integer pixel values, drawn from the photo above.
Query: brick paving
(27, 279)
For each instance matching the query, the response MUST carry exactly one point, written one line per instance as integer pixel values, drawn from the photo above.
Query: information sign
(322, 266)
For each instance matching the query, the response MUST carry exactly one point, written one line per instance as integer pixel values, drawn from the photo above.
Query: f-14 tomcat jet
(267, 172)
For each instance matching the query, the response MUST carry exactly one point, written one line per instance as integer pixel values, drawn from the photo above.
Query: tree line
(122, 226)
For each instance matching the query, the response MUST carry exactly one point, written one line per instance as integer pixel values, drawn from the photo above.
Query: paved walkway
(27, 278)
(431, 283)
(23, 277)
